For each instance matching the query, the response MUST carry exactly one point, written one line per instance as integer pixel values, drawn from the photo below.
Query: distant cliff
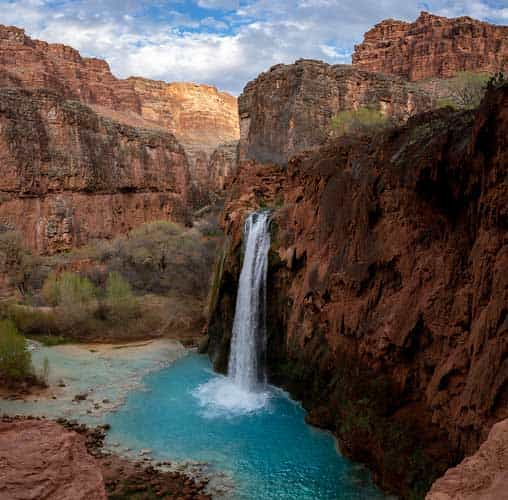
(199, 116)
(289, 108)
(433, 46)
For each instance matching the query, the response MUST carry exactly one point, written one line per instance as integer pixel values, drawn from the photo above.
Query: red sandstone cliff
(69, 175)
(200, 117)
(388, 289)
(433, 46)
(289, 108)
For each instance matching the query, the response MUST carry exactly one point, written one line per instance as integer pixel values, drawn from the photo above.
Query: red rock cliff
(70, 175)
(200, 117)
(289, 108)
(388, 289)
(433, 46)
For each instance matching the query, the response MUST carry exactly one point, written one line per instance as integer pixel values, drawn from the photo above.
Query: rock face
(433, 46)
(388, 290)
(483, 476)
(69, 175)
(289, 108)
(34, 64)
(199, 116)
(41, 460)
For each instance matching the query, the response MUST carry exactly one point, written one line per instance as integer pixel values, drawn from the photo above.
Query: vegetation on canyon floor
(135, 286)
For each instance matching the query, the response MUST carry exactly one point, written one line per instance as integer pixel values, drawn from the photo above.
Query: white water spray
(248, 344)
(242, 391)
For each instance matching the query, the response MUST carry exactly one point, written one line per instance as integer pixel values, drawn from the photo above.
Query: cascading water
(246, 360)
(244, 389)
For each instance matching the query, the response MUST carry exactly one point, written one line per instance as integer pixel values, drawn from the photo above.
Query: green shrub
(364, 120)
(120, 301)
(32, 320)
(50, 290)
(465, 90)
(74, 296)
(15, 358)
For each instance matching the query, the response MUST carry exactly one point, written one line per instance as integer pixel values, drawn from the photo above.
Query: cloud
(219, 4)
(221, 42)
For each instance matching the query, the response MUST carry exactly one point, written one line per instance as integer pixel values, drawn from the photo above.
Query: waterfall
(244, 390)
(248, 344)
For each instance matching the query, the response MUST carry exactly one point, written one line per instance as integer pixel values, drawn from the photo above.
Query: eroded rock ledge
(70, 175)
(387, 288)
(483, 476)
(433, 46)
(289, 108)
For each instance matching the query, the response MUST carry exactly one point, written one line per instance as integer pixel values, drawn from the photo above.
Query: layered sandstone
(387, 288)
(42, 460)
(200, 117)
(289, 108)
(70, 175)
(433, 46)
(34, 64)
(483, 476)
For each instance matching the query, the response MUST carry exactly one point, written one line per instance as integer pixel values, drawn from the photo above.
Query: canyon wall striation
(433, 46)
(199, 116)
(387, 287)
(289, 108)
(70, 175)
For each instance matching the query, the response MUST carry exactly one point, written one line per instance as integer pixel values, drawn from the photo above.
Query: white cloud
(161, 39)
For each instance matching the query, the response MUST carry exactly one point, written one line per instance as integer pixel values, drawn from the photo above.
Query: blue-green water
(269, 451)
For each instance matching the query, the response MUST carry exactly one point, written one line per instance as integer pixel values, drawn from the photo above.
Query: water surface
(263, 445)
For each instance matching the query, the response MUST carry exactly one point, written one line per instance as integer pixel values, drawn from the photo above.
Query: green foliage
(15, 261)
(465, 90)
(498, 80)
(51, 290)
(366, 120)
(32, 320)
(15, 359)
(120, 300)
(74, 296)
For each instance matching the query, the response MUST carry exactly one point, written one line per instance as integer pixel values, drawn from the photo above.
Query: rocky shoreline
(121, 477)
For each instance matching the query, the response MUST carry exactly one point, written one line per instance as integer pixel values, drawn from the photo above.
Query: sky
(224, 43)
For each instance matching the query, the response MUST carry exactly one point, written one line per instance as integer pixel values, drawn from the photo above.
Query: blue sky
(225, 43)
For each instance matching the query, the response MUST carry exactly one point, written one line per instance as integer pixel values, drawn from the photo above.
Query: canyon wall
(289, 108)
(387, 287)
(433, 46)
(199, 116)
(70, 175)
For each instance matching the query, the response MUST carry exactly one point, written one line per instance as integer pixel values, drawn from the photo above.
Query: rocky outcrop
(483, 476)
(289, 108)
(433, 46)
(199, 116)
(223, 164)
(387, 288)
(70, 175)
(41, 460)
(34, 64)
